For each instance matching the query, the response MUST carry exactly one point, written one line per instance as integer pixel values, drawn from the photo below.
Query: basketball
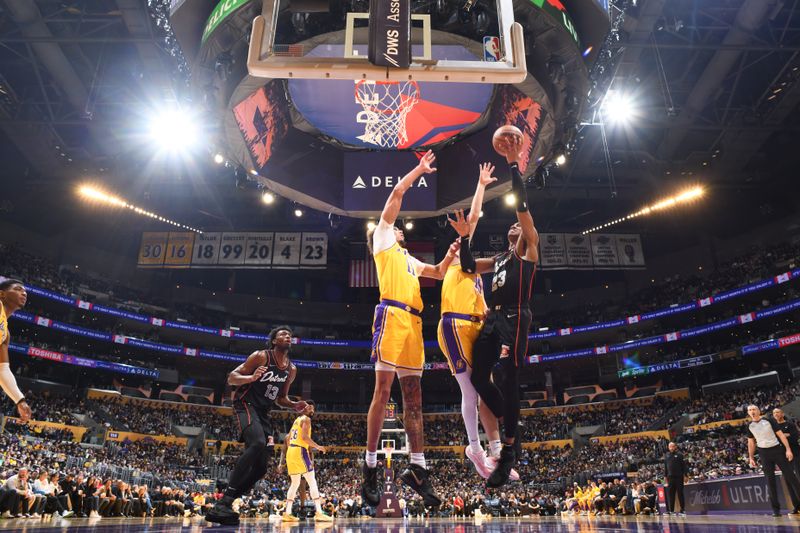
(502, 136)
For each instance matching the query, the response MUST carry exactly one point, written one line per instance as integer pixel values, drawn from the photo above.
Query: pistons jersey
(512, 282)
(261, 394)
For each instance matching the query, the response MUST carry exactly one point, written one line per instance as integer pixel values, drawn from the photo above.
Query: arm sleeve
(383, 238)
(518, 188)
(467, 261)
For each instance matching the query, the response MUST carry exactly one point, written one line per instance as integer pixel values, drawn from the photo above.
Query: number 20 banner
(233, 250)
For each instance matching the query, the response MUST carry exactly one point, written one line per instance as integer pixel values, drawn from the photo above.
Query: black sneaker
(223, 514)
(776, 513)
(416, 477)
(371, 487)
(503, 470)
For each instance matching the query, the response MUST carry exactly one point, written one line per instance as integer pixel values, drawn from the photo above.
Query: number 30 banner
(233, 250)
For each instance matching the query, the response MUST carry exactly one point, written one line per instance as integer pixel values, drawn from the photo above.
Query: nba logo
(491, 48)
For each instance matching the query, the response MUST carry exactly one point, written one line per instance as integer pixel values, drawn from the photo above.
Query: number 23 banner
(233, 250)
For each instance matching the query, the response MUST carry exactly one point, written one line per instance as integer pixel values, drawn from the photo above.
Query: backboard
(500, 57)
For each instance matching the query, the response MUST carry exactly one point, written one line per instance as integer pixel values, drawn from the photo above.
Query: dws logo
(387, 182)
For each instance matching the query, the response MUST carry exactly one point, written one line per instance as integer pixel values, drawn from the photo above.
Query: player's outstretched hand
(258, 373)
(300, 406)
(455, 246)
(24, 411)
(426, 162)
(485, 177)
(514, 152)
(322, 449)
(460, 224)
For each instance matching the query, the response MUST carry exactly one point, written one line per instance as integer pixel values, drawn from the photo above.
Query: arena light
(561, 159)
(298, 212)
(174, 130)
(93, 194)
(268, 198)
(219, 159)
(370, 225)
(510, 199)
(618, 108)
(685, 197)
(409, 225)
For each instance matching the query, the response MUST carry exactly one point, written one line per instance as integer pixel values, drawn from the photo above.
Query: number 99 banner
(233, 250)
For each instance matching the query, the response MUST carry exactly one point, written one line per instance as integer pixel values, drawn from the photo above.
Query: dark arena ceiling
(715, 86)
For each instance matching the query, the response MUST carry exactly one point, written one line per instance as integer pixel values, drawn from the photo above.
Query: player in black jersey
(504, 336)
(263, 381)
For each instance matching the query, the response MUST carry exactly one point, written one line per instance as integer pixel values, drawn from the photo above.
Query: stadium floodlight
(687, 196)
(618, 108)
(298, 212)
(510, 199)
(268, 198)
(174, 130)
(219, 159)
(96, 195)
(409, 225)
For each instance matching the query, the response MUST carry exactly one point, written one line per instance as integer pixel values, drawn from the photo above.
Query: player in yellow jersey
(397, 347)
(12, 297)
(463, 311)
(299, 464)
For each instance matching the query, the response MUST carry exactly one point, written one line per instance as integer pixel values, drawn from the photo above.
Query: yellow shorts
(298, 460)
(397, 338)
(456, 338)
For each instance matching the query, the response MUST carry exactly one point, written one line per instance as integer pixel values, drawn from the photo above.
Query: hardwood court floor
(578, 524)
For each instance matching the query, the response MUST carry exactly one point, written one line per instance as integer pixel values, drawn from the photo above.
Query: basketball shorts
(248, 416)
(397, 337)
(505, 335)
(298, 460)
(457, 334)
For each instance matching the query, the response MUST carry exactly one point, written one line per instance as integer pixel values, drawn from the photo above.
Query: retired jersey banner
(563, 251)
(234, 249)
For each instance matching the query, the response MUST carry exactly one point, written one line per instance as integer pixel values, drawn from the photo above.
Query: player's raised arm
(283, 396)
(528, 246)
(395, 200)
(485, 179)
(465, 229)
(249, 371)
(438, 271)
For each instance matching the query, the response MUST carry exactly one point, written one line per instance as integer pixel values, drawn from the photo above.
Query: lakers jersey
(462, 292)
(296, 433)
(398, 277)
(3, 324)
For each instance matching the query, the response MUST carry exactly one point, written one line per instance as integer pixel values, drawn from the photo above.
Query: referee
(789, 428)
(773, 449)
(675, 470)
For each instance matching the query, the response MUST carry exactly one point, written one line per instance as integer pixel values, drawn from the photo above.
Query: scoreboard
(264, 249)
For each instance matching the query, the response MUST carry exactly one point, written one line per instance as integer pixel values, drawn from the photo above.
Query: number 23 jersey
(261, 394)
(512, 282)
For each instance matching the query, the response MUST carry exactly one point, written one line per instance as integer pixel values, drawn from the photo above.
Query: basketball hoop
(387, 447)
(386, 105)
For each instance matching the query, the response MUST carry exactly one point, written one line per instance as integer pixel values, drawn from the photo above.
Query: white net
(386, 105)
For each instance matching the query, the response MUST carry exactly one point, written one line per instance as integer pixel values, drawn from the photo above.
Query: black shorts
(505, 334)
(247, 415)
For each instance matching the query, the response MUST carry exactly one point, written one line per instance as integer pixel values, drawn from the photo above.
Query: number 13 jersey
(261, 394)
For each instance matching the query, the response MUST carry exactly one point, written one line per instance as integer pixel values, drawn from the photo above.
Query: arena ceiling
(715, 81)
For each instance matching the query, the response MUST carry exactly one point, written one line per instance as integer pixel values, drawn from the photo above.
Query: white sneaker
(479, 459)
(492, 464)
(94, 514)
(67, 514)
(36, 515)
(7, 514)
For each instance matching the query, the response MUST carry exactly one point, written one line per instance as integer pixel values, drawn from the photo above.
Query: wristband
(20, 401)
